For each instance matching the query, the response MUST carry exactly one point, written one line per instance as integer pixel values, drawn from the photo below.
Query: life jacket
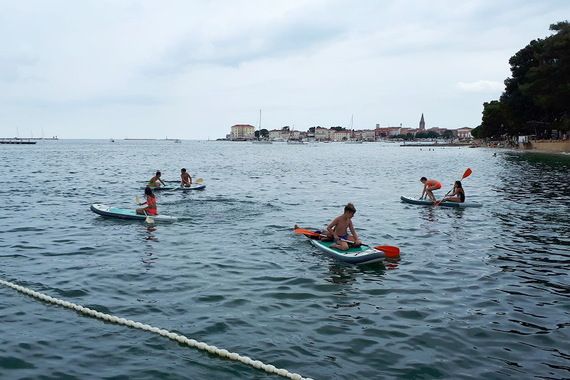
(151, 202)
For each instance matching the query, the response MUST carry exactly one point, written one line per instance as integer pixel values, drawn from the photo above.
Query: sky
(192, 69)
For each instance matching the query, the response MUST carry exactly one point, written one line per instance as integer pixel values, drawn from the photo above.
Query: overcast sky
(191, 69)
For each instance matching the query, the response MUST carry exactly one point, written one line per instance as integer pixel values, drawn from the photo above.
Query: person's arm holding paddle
(461, 196)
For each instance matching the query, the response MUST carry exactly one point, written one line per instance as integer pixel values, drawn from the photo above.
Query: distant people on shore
(185, 178)
(429, 186)
(337, 230)
(457, 195)
(156, 181)
(150, 208)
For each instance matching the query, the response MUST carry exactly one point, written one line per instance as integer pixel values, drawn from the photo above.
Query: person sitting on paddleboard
(185, 178)
(156, 181)
(458, 194)
(429, 186)
(150, 203)
(336, 230)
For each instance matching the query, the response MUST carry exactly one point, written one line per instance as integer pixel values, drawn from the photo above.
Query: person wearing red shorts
(429, 186)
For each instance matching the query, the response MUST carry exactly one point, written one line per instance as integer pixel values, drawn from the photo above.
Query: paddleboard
(122, 213)
(423, 202)
(354, 255)
(194, 186)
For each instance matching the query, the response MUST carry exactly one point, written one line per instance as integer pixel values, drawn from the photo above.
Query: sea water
(477, 293)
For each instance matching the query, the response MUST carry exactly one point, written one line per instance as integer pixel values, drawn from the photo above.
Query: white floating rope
(168, 334)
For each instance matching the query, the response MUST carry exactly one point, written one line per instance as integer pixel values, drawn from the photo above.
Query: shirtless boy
(337, 229)
(156, 181)
(185, 179)
(429, 186)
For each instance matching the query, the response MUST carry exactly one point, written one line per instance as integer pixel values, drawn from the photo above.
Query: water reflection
(149, 237)
(346, 274)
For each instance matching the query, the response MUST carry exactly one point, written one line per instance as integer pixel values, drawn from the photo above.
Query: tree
(494, 120)
(447, 134)
(536, 99)
(264, 133)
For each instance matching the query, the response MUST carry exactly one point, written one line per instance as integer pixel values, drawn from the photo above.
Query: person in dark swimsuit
(458, 194)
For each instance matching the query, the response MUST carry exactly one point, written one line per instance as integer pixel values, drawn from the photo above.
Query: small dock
(17, 140)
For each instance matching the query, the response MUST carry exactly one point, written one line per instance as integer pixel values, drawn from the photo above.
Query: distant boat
(112, 140)
(294, 141)
(177, 141)
(259, 140)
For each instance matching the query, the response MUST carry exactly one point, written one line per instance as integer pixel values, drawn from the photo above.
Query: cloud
(188, 62)
(481, 86)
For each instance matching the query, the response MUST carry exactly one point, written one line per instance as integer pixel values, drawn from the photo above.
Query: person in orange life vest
(150, 203)
(429, 186)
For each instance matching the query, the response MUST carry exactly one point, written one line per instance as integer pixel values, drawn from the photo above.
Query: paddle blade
(137, 200)
(149, 220)
(303, 231)
(199, 180)
(467, 173)
(389, 250)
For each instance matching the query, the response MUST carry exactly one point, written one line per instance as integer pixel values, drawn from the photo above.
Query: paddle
(466, 174)
(148, 218)
(389, 250)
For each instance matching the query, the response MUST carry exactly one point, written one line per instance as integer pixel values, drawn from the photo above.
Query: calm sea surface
(478, 293)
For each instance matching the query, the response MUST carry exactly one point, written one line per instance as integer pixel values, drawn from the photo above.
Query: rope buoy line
(165, 333)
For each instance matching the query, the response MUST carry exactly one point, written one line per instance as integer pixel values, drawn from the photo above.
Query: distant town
(247, 132)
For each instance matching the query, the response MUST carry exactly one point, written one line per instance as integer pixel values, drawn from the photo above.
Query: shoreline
(542, 146)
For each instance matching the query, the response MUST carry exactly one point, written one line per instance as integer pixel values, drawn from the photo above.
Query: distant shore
(543, 146)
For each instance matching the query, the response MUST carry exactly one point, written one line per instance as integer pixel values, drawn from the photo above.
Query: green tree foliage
(536, 99)
(407, 136)
(264, 133)
(494, 122)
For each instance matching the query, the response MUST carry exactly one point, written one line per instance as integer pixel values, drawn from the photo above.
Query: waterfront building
(322, 134)
(275, 135)
(464, 133)
(342, 135)
(242, 132)
(386, 132)
(368, 135)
